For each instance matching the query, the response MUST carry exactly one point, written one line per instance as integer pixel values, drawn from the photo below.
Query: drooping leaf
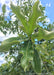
(27, 57)
(36, 63)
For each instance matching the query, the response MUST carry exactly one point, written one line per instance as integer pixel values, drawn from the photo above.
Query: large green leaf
(6, 44)
(36, 64)
(16, 10)
(49, 35)
(27, 57)
(30, 25)
(35, 15)
(43, 34)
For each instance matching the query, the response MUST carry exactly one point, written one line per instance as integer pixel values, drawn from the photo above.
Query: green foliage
(30, 54)
(36, 62)
(27, 57)
(43, 34)
(29, 25)
(16, 10)
(4, 9)
(6, 44)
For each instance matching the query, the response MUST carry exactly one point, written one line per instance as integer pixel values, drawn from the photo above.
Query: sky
(49, 12)
(49, 4)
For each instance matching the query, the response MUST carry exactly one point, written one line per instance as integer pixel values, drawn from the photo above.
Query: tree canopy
(34, 44)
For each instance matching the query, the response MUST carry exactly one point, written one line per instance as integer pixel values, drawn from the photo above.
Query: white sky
(48, 5)
(3, 37)
(2, 60)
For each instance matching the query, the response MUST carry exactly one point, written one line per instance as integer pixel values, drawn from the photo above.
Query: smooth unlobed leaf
(27, 57)
(43, 34)
(35, 15)
(16, 10)
(49, 35)
(36, 63)
(4, 9)
(6, 44)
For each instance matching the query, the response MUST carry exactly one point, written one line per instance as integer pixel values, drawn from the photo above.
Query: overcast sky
(49, 11)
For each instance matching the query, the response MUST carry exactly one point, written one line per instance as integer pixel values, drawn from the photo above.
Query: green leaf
(27, 57)
(43, 34)
(35, 15)
(38, 35)
(4, 9)
(42, 48)
(30, 25)
(6, 44)
(16, 10)
(36, 64)
(49, 35)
